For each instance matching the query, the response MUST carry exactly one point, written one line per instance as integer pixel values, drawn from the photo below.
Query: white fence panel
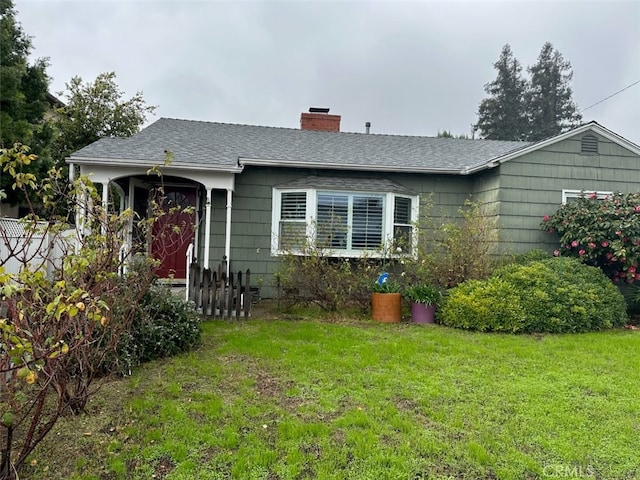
(22, 243)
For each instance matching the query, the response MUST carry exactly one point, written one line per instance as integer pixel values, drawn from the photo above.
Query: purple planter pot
(421, 313)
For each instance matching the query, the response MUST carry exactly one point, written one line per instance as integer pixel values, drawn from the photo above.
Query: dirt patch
(164, 466)
(267, 385)
(338, 436)
(411, 406)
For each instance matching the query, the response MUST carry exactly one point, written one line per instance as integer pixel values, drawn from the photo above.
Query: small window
(570, 195)
(402, 227)
(589, 145)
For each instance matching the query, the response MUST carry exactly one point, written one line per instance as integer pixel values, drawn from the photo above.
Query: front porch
(190, 199)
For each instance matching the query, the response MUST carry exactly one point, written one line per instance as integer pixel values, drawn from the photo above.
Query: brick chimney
(320, 120)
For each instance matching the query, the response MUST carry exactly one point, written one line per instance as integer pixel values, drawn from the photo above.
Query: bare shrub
(62, 319)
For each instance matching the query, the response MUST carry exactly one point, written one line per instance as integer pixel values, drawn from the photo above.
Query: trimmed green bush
(554, 295)
(165, 325)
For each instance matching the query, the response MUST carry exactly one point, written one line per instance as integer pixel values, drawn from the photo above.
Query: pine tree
(549, 104)
(501, 116)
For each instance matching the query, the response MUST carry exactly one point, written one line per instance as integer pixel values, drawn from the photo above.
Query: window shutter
(293, 206)
(333, 220)
(293, 227)
(367, 222)
(402, 210)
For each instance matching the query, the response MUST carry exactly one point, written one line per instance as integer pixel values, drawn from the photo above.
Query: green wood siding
(251, 213)
(531, 186)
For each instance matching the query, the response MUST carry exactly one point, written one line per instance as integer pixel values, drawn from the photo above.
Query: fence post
(206, 294)
(229, 295)
(239, 295)
(215, 294)
(195, 282)
(247, 295)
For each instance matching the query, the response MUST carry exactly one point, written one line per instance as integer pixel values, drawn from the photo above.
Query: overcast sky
(409, 68)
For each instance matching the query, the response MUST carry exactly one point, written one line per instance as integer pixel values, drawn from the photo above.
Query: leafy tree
(550, 107)
(604, 233)
(96, 110)
(501, 116)
(23, 96)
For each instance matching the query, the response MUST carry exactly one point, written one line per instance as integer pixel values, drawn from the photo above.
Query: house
(256, 188)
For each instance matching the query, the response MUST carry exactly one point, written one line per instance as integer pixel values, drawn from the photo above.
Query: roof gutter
(482, 166)
(146, 164)
(242, 161)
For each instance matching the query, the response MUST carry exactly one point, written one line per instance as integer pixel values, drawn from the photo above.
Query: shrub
(527, 257)
(315, 277)
(604, 233)
(452, 250)
(555, 295)
(62, 316)
(164, 325)
(447, 252)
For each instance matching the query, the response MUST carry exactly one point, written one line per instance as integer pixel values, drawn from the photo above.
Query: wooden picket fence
(219, 296)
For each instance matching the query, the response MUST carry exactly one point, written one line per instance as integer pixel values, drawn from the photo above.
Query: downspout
(207, 222)
(227, 233)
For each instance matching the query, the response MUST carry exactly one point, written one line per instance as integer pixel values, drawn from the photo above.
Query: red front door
(174, 231)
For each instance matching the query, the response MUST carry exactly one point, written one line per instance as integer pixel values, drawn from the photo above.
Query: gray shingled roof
(225, 146)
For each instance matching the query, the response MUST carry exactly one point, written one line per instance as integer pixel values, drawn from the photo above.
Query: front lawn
(311, 399)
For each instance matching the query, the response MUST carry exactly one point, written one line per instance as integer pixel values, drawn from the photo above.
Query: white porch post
(81, 218)
(105, 195)
(207, 223)
(227, 233)
(105, 205)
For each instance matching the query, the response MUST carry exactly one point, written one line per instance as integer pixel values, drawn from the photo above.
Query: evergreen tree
(550, 107)
(501, 115)
(23, 97)
(447, 134)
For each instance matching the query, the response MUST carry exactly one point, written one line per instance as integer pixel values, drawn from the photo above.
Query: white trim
(189, 260)
(207, 228)
(146, 164)
(568, 193)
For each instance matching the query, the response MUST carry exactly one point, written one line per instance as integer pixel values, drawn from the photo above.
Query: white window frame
(311, 212)
(600, 195)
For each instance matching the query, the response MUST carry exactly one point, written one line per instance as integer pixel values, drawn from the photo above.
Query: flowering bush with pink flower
(601, 232)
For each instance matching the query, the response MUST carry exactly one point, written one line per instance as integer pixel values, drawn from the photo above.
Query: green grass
(311, 399)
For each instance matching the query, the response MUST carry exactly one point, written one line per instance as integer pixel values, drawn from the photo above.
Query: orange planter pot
(386, 307)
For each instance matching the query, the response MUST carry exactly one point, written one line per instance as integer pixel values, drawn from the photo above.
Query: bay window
(346, 223)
